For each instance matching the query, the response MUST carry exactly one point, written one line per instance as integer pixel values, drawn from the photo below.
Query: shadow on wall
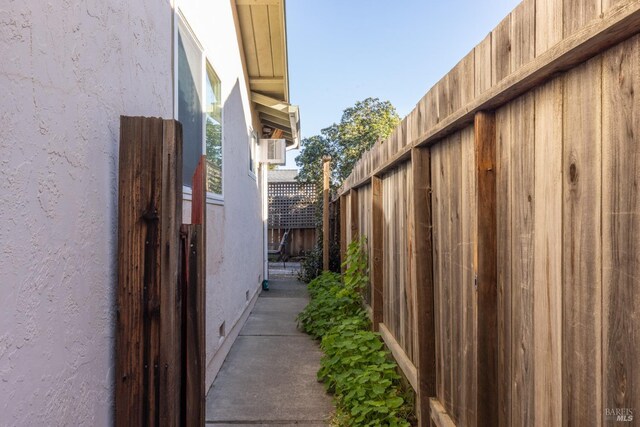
(234, 235)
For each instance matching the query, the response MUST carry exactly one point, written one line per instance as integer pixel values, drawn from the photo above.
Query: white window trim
(253, 148)
(212, 197)
(187, 192)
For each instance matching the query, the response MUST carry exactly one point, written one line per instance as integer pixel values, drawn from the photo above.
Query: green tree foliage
(345, 142)
(214, 156)
(361, 126)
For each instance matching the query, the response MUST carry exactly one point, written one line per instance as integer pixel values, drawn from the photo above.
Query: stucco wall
(234, 228)
(68, 71)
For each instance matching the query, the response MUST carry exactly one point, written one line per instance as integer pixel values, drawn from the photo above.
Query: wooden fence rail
(503, 221)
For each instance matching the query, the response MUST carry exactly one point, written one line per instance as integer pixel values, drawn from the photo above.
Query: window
(189, 105)
(253, 143)
(199, 110)
(213, 117)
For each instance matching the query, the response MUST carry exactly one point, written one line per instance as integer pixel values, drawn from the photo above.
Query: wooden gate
(160, 294)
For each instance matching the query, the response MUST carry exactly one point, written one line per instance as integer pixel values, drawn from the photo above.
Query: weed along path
(269, 376)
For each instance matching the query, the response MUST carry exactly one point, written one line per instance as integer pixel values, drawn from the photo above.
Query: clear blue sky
(343, 51)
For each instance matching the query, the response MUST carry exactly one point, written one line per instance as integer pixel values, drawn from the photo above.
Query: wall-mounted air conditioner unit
(273, 151)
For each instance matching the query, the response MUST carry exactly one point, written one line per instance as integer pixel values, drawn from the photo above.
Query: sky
(343, 51)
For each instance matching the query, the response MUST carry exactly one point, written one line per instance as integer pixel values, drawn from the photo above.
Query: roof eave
(270, 86)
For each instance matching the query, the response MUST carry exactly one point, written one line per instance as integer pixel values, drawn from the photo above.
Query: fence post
(486, 269)
(422, 263)
(377, 249)
(148, 334)
(326, 167)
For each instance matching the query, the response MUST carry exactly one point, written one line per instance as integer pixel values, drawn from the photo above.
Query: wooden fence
(503, 224)
(300, 241)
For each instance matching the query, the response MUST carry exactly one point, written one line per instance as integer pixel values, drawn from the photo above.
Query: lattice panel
(291, 205)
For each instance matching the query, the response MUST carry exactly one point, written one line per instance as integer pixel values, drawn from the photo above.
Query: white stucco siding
(68, 71)
(234, 228)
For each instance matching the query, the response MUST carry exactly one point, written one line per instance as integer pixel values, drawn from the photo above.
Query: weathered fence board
(548, 25)
(193, 301)
(547, 288)
(354, 214)
(348, 214)
(578, 12)
(193, 351)
(501, 51)
(437, 199)
(398, 290)
(606, 4)
(482, 67)
(582, 251)
(148, 366)
(503, 236)
(621, 227)
(454, 263)
(422, 265)
(364, 230)
(343, 229)
(487, 315)
(445, 275)
(453, 227)
(467, 307)
(377, 245)
(521, 198)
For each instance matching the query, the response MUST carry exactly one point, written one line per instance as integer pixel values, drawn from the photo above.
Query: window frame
(253, 152)
(211, 196)
(180, 19)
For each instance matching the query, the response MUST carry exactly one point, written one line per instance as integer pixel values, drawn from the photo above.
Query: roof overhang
(279, 115)
(263, 37)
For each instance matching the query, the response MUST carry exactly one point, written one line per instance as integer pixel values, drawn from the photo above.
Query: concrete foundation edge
(213, 366)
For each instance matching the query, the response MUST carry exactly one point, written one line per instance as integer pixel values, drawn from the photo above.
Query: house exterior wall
(234, 227)
(68, 72)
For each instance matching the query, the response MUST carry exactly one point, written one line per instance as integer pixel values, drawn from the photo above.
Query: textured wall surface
(234, 234)
(68, 71)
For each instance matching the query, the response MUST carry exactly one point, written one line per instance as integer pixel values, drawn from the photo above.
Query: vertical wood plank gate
(160, 293)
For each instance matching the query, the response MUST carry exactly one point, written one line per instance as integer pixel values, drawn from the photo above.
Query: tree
(345, 142)
(313, 149)
(360, 127)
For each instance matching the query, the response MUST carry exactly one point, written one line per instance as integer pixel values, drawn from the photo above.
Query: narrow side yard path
(269, 376)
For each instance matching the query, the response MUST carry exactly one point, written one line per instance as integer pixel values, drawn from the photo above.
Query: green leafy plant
(311, 265)
(331, 303)
(356, 367)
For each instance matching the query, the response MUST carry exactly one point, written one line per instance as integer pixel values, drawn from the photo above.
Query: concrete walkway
(269, 376)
